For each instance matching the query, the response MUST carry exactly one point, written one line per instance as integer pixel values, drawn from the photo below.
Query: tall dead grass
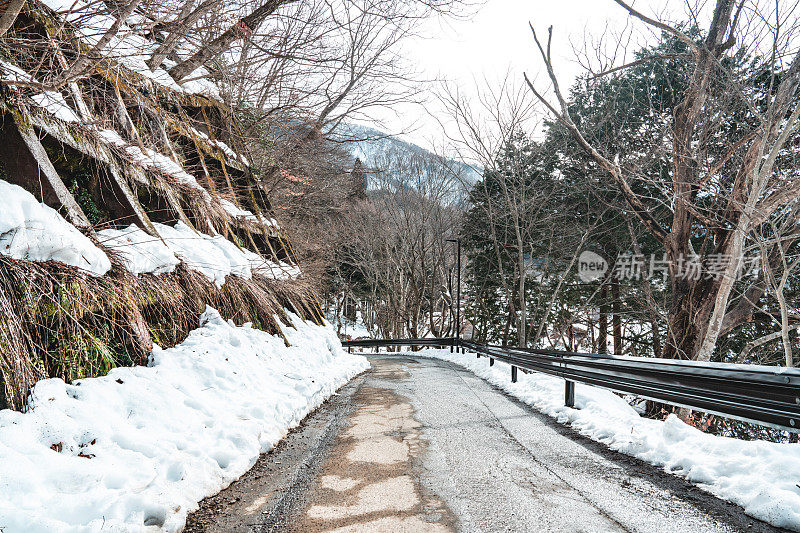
(58, 322)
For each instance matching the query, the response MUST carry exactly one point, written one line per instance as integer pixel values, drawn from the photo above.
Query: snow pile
(217, 258)
(199, 252)
(137, 449)
(762, 477)
(210, 256)
(35, 232)
(141, 253)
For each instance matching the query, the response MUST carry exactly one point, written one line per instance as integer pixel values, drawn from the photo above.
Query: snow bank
(762, 477)
(35, 232)
(141, 446)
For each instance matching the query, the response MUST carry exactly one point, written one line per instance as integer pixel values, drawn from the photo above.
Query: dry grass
(58, 322)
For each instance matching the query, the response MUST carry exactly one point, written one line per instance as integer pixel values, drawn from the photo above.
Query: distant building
(358, 179)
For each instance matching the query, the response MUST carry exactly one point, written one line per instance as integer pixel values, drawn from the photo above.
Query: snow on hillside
(35, 232)
(136, 450)
(348, 328)
(32, 231)
(762, 477)
(372, 146)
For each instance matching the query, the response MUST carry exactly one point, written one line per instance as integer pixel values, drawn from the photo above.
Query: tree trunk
(602, 337)
(521, 332)
(510, 318)
(10, 15)
(616, 319)
(656, 338)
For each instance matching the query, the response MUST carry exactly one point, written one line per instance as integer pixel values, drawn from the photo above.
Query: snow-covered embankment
(762, 477)
(137, 449)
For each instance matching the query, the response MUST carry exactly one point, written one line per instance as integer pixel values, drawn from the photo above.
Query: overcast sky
(497, 40)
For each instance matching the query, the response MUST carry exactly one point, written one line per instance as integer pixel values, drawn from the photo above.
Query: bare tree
(480, 132)
(745, 174)
(83, 63)
(180, 28)
(242, 28)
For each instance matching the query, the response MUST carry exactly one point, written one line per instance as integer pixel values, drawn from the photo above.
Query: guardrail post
(569, 393)
(491, 361)
(513, 374)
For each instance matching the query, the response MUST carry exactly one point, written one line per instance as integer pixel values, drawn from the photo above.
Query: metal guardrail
(377, 343)
(761, 394)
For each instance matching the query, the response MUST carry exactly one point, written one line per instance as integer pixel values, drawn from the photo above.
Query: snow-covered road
(419, 444)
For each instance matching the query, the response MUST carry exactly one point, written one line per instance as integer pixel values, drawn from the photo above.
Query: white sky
(496, 41)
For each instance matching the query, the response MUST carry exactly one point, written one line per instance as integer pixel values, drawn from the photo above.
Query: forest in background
(676, 163)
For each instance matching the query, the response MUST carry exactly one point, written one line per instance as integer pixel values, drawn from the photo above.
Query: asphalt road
(417, 444)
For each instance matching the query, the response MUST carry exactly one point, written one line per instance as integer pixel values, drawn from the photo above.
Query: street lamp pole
(458, 291)
(450, 317)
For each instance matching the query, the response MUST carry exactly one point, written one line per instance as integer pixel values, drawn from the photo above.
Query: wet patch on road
(370, 481)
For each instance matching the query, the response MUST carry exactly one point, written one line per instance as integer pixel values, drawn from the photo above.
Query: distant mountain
(374, 148)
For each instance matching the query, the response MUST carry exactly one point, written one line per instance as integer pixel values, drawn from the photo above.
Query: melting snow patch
(151, 159)
(213, 256)
(35, 232)
(237, 212)
(137, 449)
(52, 101)
(762, 477)
(140, 252)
